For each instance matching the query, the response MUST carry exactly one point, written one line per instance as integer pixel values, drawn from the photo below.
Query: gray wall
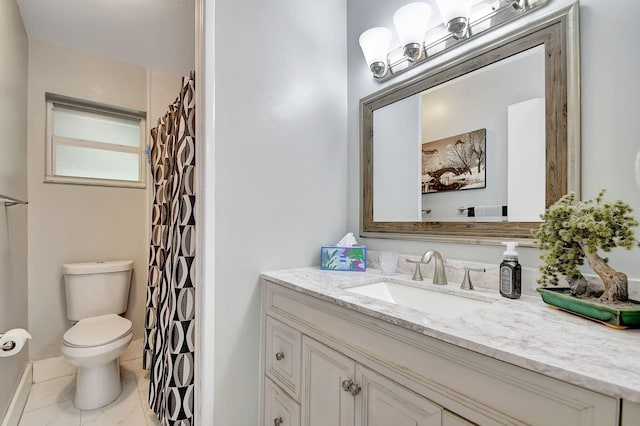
(13, 183)
(610, 109)
(280, 168)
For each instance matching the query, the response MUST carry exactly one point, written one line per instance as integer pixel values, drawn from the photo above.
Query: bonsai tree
(575, 230)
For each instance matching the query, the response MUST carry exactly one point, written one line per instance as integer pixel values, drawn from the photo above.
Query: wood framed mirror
(397, 146)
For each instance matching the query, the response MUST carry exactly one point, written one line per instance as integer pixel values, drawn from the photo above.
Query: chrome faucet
(439, 274)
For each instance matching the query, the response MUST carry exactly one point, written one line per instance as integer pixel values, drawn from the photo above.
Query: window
(94, 144)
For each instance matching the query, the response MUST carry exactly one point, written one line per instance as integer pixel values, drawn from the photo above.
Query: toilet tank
(97, 288)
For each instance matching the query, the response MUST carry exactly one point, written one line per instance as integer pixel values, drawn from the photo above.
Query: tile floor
(51, 402)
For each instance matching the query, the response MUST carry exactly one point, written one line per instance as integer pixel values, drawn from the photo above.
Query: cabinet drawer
(282, 356)
(279, 408)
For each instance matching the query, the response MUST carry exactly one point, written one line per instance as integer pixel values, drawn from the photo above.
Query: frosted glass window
(94, 144)
(91, 126)
(96, 163)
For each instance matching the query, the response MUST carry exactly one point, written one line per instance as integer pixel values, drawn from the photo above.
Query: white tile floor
(51, 402)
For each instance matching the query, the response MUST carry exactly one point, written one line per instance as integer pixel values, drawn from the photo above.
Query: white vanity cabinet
(332, 389)
(335, 366)
(338, 391)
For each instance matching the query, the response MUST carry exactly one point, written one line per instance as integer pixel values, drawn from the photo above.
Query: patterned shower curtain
(169, 342)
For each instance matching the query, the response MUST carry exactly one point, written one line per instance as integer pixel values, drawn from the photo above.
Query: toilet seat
(97, 331)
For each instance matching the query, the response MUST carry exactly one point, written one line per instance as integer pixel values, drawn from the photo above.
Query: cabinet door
(630, 413)
(279, 408)
(324, 402)
(383, 403)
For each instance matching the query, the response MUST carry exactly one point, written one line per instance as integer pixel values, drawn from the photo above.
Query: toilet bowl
(97, 292)
(93, 346)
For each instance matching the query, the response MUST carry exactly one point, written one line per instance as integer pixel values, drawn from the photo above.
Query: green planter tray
(613, 317)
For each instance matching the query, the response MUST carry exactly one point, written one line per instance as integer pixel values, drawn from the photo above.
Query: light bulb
(411, 22)
(455, 14)
(375, 44)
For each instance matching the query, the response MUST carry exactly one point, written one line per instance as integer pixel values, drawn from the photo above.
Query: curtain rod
(10, 201)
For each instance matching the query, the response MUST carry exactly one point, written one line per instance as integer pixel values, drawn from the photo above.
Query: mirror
(475, 149)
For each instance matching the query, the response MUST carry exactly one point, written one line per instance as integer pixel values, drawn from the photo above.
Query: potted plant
(573, 231)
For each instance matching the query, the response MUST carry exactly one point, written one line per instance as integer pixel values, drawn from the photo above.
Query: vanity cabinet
(338, 391)
(332, 389)
(326, 364)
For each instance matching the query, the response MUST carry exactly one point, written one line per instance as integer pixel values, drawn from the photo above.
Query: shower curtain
(169, 342)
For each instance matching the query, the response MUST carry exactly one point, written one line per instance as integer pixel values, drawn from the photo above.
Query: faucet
(439, 275)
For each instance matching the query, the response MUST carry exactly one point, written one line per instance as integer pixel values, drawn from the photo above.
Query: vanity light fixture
(456, 15)
(463, 20)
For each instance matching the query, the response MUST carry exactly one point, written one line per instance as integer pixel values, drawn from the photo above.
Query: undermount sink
(446, 305)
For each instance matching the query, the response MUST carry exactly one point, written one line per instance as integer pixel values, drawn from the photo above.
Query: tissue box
(343, 258)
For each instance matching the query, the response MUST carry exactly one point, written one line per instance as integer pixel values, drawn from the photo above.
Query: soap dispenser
(510, 272)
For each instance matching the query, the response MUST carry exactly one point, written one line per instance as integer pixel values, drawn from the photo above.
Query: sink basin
(433, 302)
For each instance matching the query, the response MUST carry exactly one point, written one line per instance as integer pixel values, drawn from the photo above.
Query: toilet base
(97, 386)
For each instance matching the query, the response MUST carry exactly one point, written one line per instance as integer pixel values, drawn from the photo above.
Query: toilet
(97, 292)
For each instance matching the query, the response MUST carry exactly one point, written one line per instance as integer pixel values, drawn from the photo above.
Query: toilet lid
(96, 331)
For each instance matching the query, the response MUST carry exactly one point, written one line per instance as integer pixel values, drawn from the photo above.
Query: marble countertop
(523, 332)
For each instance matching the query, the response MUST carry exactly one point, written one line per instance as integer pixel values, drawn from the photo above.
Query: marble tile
(126, 371)
(152, 419)
(142, 383)
(138, 371)
(51, 368)
(143, 390)
(61, 414)
(50, 392)
(134, 350)
(124, 411)
(51, 402)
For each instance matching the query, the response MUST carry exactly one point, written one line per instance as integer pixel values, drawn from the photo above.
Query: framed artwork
(455, 163)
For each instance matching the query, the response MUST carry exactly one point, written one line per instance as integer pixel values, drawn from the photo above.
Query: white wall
(76, 223)
(280, 167)
(13, 183)
(610, 110)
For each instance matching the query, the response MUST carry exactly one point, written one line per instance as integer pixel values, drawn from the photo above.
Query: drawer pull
(279, 356)
(352, 388)
(278, 421)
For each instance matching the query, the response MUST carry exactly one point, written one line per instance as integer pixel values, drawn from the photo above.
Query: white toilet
(97, 292)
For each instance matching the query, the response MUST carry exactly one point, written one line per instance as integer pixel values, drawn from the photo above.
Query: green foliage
(573, 229)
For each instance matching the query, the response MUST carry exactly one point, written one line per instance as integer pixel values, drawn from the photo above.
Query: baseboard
(52, 368)
(12, 417)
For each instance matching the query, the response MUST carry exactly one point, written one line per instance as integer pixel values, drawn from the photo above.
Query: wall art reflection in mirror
(454, 163)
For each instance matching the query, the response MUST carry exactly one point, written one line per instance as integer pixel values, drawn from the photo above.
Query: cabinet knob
(279, 356)
(352, 388)
(278, 421)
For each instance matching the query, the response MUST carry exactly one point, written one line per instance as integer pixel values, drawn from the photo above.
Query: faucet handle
(466, 281)
(417, 274)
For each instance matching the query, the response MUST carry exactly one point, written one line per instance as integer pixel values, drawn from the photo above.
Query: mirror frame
(558, 32)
